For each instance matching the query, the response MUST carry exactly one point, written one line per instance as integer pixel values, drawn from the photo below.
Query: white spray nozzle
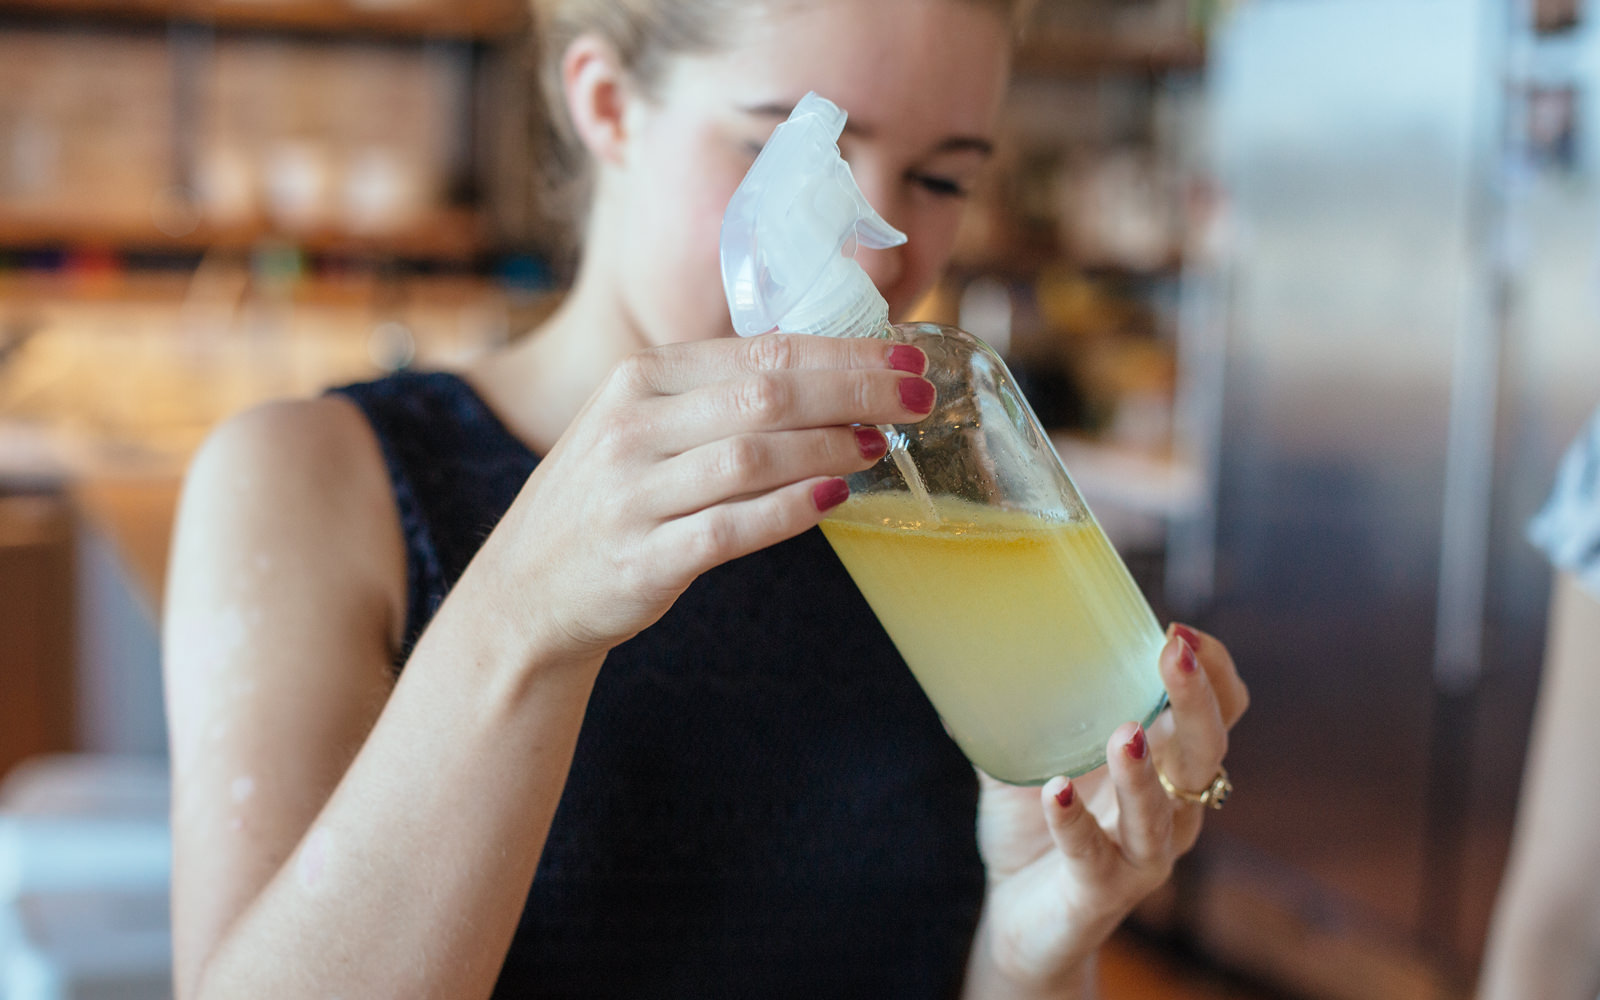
(785, 230)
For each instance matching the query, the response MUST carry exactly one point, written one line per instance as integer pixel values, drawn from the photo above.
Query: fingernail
(1190, 637)
(905, 358)
(1186, 660)
(917, 394)
(871, 442)
(1066, 795)
(1136, 748)
(830, 494)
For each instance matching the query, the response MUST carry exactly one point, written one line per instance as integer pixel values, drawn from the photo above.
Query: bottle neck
(843, 303)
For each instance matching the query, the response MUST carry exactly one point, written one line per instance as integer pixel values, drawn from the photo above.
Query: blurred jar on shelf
(373, 159)
(86, 120)
(1120, 208)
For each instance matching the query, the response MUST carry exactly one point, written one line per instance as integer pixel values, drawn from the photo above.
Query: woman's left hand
(1067, 862)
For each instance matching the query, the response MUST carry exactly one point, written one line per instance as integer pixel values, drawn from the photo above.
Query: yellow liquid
(1029, 636)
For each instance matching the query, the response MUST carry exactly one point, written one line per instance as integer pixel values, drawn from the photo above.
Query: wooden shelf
(450, 236)
(31, 293)
(1071, 55)
(481, 20)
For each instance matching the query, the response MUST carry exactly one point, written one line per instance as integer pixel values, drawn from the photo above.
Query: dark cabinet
(36, 661)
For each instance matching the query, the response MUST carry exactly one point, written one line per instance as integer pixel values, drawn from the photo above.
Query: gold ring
(1214, 794)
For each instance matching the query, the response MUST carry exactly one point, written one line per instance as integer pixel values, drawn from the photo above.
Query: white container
(85, 860)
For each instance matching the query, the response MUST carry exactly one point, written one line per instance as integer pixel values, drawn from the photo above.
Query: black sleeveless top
(762, 802)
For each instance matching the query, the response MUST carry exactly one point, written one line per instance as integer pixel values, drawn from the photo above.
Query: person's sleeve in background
(1568, 527)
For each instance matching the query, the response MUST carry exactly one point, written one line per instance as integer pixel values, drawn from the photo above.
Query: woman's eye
(942, 187)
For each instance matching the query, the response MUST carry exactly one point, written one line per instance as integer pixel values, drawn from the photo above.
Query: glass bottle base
(1074, 767)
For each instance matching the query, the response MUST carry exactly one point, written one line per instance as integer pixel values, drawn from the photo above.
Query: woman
(651, 686)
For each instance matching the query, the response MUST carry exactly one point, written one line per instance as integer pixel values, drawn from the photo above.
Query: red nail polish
(1190, 637)
(872, 443)
(830, 494)
(917, 394)
(905, 358)
(1137, 747)
(1187, 662)
(1066, 795)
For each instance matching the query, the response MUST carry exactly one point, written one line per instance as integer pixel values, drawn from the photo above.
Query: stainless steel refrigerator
(1391, 329)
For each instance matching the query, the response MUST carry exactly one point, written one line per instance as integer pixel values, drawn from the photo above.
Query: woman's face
(922, 82)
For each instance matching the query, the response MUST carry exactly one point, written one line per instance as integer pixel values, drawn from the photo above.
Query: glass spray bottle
(969, 540)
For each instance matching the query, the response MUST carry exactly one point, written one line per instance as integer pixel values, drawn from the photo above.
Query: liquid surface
(1028, 635)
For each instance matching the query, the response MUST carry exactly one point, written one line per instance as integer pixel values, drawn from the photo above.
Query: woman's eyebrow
(952, 144)
(965, 144)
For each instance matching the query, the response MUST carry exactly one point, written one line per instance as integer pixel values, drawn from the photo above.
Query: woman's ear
(596, 88)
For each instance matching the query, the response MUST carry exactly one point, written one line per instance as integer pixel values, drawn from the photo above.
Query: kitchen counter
(1134, 494)
(108, 383)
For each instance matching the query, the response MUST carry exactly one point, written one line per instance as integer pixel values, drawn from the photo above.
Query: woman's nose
(884, 267)
(884, 192)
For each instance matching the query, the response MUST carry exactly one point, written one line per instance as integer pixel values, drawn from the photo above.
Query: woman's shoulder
(342, 433)
(298, 481)
(277, 449)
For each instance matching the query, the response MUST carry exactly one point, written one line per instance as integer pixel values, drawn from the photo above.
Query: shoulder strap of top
(454, 469)
(1567, 528)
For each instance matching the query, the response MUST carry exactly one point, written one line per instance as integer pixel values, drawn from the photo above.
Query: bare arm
(330, 835)
(338, 835)
(1544, 943)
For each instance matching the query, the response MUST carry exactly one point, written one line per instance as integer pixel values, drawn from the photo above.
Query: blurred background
(1306, 292)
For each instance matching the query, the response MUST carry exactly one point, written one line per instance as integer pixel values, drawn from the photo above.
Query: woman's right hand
(687, 456)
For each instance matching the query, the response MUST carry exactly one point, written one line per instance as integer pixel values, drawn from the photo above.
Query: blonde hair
(646, 35)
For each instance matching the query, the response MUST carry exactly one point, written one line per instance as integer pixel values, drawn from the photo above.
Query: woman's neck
(538, 385)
